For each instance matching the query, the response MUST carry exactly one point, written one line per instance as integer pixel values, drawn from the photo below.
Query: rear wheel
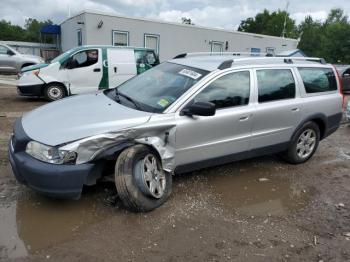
(304, 144)
(141, 182)
(54, 92)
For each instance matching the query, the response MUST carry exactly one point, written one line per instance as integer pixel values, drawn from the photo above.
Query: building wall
(174, 38)
(69, 31)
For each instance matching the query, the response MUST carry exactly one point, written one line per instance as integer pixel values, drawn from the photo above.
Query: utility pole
(285, 20)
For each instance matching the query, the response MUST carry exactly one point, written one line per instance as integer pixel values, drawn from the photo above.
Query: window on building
(318, 79)
(79, 37)
(270, 51)
(120, 38)
(275, 84)
(227, 91)
(152, 42)
(217, 47)
(255, 51)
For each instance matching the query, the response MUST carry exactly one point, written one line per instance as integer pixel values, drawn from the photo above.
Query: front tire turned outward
(141, 182)
(54, 92)
(303, 144)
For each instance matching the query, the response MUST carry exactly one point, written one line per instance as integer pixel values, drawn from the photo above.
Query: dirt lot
(226, 213)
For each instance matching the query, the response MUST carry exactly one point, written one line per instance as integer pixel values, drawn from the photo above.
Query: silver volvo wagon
(192, 112)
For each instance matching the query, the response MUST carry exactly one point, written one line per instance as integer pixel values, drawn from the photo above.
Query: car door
(7, 61)
(121, 65)
(84, 71)
(228, 132)
(278, 107)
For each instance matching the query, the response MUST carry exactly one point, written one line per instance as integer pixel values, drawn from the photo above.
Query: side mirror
(199, 109)
(10, 53)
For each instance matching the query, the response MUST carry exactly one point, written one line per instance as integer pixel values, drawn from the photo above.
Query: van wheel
(141, 182)
(304, 144)
(54, 92)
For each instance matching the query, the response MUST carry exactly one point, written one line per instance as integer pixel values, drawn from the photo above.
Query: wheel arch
(57, 83)
(319, 119)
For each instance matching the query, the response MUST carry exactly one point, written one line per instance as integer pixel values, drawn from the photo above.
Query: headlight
(50, 154)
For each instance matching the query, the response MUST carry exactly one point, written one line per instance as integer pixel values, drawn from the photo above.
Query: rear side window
(227, 91)
(275, 84)
(318, 79)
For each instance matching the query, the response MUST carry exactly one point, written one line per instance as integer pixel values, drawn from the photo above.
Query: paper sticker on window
(163, 102)
(190, 73)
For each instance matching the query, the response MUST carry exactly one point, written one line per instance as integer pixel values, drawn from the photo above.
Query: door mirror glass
(200, 109)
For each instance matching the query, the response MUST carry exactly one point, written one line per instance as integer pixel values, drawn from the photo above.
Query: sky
(212, 13)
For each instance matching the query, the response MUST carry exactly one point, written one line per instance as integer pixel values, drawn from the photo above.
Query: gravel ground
(255, 210)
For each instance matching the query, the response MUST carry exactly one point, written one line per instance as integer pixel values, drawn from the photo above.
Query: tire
(133, 181)
(304, 144)
(54, 92)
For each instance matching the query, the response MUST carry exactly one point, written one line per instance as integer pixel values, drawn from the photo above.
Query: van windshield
(156, 89)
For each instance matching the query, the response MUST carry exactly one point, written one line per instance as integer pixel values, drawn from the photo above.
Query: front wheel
(141, 183)
(54, 92)
(303, 144)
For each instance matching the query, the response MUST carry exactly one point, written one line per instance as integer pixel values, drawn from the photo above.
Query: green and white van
(85, 69)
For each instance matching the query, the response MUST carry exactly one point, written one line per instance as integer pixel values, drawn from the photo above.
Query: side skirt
(232, 158)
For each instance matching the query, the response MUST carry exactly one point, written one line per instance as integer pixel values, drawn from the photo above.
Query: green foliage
(30, 32)
(329, 39)
(269, 24)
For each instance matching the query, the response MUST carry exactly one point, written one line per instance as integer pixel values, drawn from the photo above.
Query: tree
(330, 39)
(32, 27)
(11, 32)
(269, 24)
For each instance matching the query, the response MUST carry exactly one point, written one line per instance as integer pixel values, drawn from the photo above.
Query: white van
(85, 69)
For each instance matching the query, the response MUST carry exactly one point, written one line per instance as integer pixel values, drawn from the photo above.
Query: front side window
(120, 38)
(157, 88)
(318, 79)
(227, 91)
(3, 50)
(275, 84)
(84, 58)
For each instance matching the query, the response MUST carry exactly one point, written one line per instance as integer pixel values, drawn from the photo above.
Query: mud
(255, 210)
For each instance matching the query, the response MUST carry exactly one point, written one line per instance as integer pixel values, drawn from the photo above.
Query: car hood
(33, 67)
(78, 117)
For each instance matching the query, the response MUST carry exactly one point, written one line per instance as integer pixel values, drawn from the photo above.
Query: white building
(168, 39)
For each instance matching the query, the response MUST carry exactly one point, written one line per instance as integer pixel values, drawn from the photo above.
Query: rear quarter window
(318, 80)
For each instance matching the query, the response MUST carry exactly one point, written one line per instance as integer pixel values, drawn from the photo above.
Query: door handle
(296, 109)
(243, 118)
(115, 69)
(97, 69)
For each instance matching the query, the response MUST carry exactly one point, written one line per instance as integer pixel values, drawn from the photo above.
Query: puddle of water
(34, 222)
(252, 189)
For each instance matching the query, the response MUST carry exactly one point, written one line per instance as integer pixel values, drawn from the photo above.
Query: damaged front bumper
(58, 181)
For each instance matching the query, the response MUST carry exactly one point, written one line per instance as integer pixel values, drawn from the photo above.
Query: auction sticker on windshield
(190, 73)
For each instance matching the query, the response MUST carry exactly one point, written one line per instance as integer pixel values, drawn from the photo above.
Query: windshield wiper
(118, 94)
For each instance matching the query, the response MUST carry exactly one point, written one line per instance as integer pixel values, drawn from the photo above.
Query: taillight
(340, 87)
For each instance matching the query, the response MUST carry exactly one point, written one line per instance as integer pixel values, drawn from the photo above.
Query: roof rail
(225, 64)
(220, 54)
(289, 60)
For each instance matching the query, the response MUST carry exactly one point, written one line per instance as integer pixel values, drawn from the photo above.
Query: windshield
(156, 89)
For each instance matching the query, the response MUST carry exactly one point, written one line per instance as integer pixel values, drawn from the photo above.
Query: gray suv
(191, 112)
(11, 61)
